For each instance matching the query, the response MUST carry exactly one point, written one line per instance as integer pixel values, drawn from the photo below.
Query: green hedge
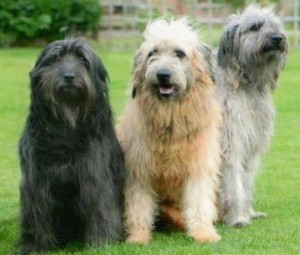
(23, 22)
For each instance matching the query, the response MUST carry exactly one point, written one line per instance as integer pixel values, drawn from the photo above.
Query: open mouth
(166, 90)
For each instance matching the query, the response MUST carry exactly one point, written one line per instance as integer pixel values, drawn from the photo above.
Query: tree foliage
(26, 21)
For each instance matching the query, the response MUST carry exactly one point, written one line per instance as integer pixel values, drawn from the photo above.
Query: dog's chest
(169, 174)
(249, 121)
(61, 161)
(169, 185)
(65, 184)
(260, 112)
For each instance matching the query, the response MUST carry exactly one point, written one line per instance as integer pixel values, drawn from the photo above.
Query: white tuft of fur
(253, 11)
(175, 30)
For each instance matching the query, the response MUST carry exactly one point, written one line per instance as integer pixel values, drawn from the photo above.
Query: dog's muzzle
(69, 77)
(276, 42)
(69, 92)
(165, 88)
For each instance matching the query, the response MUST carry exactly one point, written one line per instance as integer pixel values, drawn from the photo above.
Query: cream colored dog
(169, 134)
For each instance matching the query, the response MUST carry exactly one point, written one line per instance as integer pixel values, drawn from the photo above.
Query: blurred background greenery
(117, 24)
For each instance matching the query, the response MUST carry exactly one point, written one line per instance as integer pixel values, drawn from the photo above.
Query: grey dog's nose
(69, 77)
(276, 38)
(163, 75)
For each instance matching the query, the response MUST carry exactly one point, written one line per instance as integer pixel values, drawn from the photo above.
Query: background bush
(24, 22)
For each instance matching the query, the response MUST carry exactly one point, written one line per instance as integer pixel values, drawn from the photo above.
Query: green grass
(277, 189)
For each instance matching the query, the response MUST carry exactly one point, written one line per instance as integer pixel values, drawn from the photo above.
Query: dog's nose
(276, 39)
(163, 75)
(69, 77)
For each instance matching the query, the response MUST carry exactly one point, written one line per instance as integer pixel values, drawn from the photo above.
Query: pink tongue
(166, 90)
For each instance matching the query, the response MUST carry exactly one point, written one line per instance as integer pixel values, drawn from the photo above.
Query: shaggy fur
(251, 55)
(169, 133)
(72, 164)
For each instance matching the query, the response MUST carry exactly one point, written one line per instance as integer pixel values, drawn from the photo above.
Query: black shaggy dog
(72, 164)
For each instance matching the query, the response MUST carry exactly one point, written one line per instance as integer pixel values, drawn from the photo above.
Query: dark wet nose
(163, 75)
(276, 39)
(69, 77)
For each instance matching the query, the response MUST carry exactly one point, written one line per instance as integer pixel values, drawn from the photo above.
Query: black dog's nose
(276, 39)
(69, 77)
(163, 75)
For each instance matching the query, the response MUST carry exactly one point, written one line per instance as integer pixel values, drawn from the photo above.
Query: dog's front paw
(258, 215)
(206, 236)
(30, 249)
(239, 223)
(141, 237)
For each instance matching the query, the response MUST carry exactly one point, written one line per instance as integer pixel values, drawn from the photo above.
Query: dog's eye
(82, 59)
(152, 52)
(57, 58)
(255, 27)
(180, 53)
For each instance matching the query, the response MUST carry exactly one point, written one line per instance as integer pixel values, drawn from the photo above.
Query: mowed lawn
(277, 189)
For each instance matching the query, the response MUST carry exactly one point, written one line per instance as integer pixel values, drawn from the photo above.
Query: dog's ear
(137, 65)
(228, 46)
(97, 68)
(47, 56)
(133, 93)
(136, 59)
(207, 54)
(101, 71)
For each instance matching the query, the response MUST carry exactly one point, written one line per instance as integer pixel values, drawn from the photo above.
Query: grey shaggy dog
(252, 53)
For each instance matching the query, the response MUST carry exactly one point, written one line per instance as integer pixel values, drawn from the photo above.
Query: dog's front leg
(250, 174)
(100, 212)
(37, 233)
(234, 196)
(199, 208)
(140, 208)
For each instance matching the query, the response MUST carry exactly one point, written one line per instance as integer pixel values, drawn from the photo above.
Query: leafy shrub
(26, 21)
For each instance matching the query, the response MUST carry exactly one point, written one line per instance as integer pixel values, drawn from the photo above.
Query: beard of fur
(68, 112)
(259, 75)
(261, 68)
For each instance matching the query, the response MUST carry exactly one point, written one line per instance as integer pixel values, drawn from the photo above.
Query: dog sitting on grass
(72, 164)
(170, 133)
(251, 55)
